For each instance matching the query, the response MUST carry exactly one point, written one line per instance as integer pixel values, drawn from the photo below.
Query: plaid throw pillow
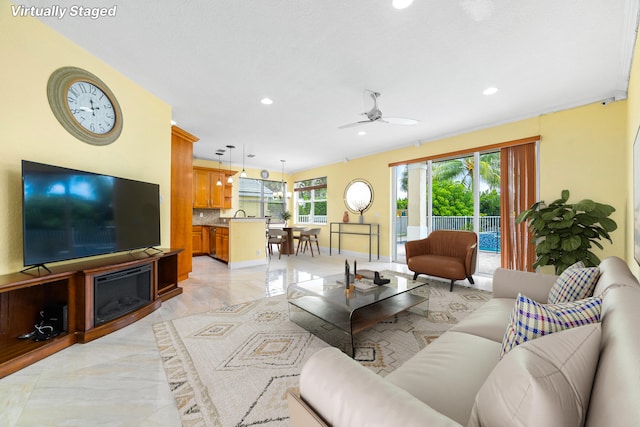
(575, 283)
(530, 319)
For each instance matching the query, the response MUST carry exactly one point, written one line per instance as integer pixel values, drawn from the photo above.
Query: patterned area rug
(233, 366)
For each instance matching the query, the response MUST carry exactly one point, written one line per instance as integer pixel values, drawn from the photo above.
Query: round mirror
(358, 196)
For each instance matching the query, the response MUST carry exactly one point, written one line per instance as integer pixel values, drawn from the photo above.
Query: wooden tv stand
(24, 294)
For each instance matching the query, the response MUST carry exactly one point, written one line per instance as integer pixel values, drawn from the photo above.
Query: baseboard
(249, 263)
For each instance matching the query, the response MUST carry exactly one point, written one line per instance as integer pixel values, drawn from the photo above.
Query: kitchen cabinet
(181, 197)
(222, 244)
(200, 238)
(211, 240)
(206, 194)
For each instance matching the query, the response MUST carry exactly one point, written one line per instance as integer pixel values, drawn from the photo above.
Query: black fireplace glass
(121, 292)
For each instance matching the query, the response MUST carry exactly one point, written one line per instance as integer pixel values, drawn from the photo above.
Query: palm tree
(462, 169)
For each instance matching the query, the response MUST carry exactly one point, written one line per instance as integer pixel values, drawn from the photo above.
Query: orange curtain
(517, 193)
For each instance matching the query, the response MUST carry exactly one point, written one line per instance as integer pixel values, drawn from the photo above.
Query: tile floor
(118, 380)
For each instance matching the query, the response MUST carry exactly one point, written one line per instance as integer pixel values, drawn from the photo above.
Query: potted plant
(361, 206)
(564, 232)
(286, 216)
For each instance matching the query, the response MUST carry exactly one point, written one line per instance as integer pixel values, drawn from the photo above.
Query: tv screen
(71, 214)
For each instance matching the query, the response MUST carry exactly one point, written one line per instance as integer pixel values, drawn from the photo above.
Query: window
(311, 201)
(261, 198)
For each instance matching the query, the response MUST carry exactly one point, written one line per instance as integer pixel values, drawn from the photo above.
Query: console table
(24, 294)
(354, 228)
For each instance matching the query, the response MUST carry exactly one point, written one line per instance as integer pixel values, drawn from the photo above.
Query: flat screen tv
(70, 214)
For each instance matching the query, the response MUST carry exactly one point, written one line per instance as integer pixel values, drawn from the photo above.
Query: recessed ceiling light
(490, 90)
(402, 4)
(362, 133)
(266, 101)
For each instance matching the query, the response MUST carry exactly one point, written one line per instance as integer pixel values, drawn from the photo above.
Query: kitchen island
(240, 242)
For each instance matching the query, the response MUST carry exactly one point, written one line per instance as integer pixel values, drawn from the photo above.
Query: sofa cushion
(345, 393)
(488, 321)
(438, 265)
(614, 271)
(545, 382)
(616, 387)
(531, 319)
(575, 283)
(447, 374)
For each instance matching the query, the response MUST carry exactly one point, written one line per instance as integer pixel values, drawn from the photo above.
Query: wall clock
(84, 106)
(264, 174)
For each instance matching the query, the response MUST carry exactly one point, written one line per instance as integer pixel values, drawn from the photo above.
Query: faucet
(238, 211)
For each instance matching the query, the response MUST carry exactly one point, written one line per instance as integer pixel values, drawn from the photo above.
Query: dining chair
(276, 237)
(307, 238)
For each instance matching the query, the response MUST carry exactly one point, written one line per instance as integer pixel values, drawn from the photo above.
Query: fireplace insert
(120, 292)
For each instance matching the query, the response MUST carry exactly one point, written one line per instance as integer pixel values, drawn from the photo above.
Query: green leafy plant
(286, 215)
(564, 231)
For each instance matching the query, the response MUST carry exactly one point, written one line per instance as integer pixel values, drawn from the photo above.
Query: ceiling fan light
(401, 4)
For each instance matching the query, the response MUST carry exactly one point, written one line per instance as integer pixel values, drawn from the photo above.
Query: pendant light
(230, 179)
(243, 174)
(219, 154)
(282, 180)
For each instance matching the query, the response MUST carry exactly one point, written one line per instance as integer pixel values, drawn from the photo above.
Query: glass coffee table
(322, 307)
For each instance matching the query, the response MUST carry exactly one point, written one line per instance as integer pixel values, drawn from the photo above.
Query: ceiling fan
(375, 115)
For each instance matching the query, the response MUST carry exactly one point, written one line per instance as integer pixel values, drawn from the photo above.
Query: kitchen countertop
(225, 222)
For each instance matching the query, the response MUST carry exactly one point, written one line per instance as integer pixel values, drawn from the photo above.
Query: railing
(487, 223)
(489, 233)
(306, 219)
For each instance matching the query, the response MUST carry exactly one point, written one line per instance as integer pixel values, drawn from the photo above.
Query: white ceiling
(213, 60)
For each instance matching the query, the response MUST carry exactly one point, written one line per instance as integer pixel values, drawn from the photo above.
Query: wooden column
(182, 197)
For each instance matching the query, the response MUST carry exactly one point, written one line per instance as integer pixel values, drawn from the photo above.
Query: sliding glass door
(461, 193)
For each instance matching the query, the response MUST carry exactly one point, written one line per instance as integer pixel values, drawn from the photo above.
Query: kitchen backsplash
(205, 216)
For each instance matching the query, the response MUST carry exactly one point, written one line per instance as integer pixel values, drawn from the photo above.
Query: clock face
(84, 105)
(91, 107)
(264, 174)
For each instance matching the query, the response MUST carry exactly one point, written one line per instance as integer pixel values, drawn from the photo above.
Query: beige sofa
(440, 384)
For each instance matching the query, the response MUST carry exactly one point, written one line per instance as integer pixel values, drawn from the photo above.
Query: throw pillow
(531, 319)
(575, 283)
(545, 382)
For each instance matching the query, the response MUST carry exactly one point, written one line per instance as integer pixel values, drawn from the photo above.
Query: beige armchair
(450, 254)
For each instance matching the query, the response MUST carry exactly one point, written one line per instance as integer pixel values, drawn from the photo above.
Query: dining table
(288, 249)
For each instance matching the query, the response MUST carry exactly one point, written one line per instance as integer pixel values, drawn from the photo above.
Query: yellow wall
(581, 149)
(31, 51)
(246, 243)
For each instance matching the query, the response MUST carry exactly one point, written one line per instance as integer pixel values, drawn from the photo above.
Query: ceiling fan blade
(350, 125)
(400, 121)
(375, 115)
